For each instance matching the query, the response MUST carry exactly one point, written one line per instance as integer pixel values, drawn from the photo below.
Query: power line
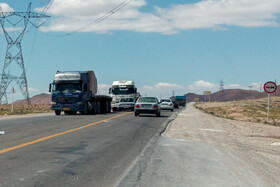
(98, 20)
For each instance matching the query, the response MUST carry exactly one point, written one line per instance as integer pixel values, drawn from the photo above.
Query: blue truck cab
(76, 91)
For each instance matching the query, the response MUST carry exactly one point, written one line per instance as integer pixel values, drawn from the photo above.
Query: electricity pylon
(14, 52)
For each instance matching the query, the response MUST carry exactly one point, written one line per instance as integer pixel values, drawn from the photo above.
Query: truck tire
(57, 112)
(86, 109)
(109, 107)
(106, 107)
(158, 114)
(98, 111)
(94, 108)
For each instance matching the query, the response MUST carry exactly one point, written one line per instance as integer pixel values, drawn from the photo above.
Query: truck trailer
(76, 91)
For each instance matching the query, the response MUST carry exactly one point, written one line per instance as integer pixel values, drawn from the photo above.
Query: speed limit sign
(270, 87)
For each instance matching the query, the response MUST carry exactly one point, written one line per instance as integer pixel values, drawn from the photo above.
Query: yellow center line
(58, 134)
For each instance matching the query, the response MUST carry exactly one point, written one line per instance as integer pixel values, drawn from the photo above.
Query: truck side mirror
(50, 88)
(110, 90)
(135, 90)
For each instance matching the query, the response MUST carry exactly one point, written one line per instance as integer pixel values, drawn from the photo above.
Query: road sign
(206, 92)
(270, 87)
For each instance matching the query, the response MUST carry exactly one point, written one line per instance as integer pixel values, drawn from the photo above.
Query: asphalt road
(76, 150)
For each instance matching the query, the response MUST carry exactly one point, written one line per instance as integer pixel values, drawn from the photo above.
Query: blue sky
(185, 46)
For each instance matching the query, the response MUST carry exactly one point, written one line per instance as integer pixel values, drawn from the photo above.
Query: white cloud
(163, 85)
(71, 15)
(30, 89)
(202, 86)
(162, 89)
(6, 8)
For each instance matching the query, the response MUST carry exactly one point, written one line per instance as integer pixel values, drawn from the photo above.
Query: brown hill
(230, 95)
(37, 99)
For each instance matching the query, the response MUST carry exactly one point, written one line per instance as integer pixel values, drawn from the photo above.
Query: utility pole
(260, 90)
(13, 92)
(14, 54)
(250, 91)
(276, 85)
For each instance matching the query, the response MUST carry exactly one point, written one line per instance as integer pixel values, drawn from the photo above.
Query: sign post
(205, 93)
(269, 87)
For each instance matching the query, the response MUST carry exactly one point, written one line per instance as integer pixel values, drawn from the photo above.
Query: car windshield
(165, 100)
(123, 91)
(127, 100)
(147, 100)
(67, 87)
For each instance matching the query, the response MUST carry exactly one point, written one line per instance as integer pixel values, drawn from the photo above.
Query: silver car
(126, 103)
(147, 105)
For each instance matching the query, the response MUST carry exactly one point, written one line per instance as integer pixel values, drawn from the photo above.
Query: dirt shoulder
(254, 110)
(252, 147)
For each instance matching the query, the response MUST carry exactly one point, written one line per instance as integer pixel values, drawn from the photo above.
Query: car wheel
(136, 114)
(172, 110)
(158, 114)
(57, 112)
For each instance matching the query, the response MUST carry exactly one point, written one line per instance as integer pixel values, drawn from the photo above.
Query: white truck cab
(122, 89)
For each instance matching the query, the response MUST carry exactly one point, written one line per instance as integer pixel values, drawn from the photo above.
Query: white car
(166, 104)
(147, 105)
(126, 103)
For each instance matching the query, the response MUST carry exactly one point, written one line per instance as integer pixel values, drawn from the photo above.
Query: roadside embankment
(253, 110)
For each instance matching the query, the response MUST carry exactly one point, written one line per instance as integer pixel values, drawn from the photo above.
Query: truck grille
(66, 99)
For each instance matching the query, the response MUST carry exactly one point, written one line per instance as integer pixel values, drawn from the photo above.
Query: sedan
(147, 105)
(166, 104)
(126, 103)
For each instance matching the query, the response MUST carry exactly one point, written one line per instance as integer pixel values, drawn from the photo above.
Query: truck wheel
(57, 112)
(98, 108)
(107, 107)
(86, 109)
(158, 114)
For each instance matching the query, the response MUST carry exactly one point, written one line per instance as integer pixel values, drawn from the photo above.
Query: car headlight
(79, 103)
(53, 103)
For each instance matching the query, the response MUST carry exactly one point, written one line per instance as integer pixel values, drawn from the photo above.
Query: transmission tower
(221, 85)
(14, 51)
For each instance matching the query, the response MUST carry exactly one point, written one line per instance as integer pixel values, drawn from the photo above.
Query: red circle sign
(270, 87)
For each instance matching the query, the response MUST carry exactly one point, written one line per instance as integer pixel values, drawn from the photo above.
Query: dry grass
(254, 110)
(24, 109)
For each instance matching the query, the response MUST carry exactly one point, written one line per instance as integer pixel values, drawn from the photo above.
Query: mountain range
(223, 95)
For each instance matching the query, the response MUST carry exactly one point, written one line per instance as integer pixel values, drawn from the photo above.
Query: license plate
(145, 106)
(66, 108)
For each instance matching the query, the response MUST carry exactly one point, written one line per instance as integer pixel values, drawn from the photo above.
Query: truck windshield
(123, 91)
(67, 87)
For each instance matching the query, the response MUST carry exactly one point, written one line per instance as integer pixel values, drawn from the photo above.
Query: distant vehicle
(74, 91)
(176, 105)
(181, 100)
(126, 103)
(147, 105)
(122, 89)
(166, 104)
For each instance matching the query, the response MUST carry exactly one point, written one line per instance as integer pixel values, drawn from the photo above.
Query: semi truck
(76, 91)
(122, 89)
